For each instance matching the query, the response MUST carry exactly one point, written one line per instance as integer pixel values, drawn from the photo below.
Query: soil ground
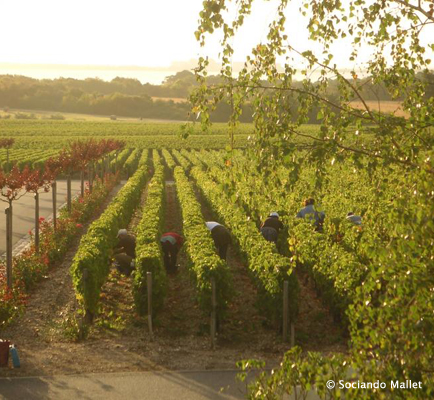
(119, 340)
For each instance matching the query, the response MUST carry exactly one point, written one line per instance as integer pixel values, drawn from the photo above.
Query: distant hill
(128, 97)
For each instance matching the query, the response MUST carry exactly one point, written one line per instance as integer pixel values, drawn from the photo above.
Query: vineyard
(65, 292)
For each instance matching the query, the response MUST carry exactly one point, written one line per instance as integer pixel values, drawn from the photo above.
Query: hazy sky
(107, 32)
(103, 32)
(128, 32)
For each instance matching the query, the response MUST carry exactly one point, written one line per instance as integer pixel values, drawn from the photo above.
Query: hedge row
(93, 254)
(337, 270)
(132, 161)
(269, 268)
(170, 162)
(192, 157)
(148, 250)
(205, 263)
(116, 163)
(182, 161)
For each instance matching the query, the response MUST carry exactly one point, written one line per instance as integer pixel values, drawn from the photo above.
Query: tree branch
(337, 73)
(359, 151)
(300, 91)
(418, 8)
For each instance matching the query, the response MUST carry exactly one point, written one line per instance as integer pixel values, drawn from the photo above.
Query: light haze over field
(131, 33)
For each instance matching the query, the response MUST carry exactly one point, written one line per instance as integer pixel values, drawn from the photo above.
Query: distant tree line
(130, 98)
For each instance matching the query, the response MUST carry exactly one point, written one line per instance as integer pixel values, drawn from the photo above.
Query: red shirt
(179, 239)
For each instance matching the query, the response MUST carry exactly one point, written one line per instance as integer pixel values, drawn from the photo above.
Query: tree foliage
(391, 319)
(6, 143)
(391, 28)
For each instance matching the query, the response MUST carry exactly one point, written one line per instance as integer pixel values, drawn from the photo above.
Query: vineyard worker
(126, 243)
(171, 243)
(125, 252)
(309, 212)
(124, 263)
(271, 227)
(221, 237)
(355, 219)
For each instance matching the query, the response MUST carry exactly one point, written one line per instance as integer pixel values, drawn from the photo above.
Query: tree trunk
(68, 193)
(54, 189)
(82, 183)
(8, 213)
(90, 176)
(37, 222)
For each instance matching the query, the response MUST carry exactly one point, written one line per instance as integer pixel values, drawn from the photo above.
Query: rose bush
(29, 267)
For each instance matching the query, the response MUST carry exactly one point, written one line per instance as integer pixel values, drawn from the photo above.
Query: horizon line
(176, 66)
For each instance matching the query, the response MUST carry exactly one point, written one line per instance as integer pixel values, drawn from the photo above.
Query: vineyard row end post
(54, 193)
(149, 287)
(8, 212)
(68, 194)
(213, 312)
(285, 310)
(36, 196)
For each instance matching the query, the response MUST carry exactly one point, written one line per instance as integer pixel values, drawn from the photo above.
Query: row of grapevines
(182, 161)
(118, 129)
(141, 142)
(170, 162)
(192, 157)
(210, 158)
(148, 250)
(268, 268)
(336, 269)
(132, 161)
(205, 264)
(334, 257)
(118, 161)
(17, 154)
(33, 159)
(93, 254)
(39, 163)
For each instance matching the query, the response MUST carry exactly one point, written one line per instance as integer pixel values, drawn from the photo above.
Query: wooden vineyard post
(213, 313)
(98, 168)
(82, 183)
(8, 212)
(90, 176)
(149, 285)
(285, 310)
(88, 315)
(36, 222)
(54, 190)
(68, 194)
(292, 334)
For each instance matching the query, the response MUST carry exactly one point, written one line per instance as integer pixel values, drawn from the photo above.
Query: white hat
(122, 232)
(274, 214)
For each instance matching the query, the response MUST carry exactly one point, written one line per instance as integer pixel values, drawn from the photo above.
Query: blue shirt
(355, 219)
(311, 213)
